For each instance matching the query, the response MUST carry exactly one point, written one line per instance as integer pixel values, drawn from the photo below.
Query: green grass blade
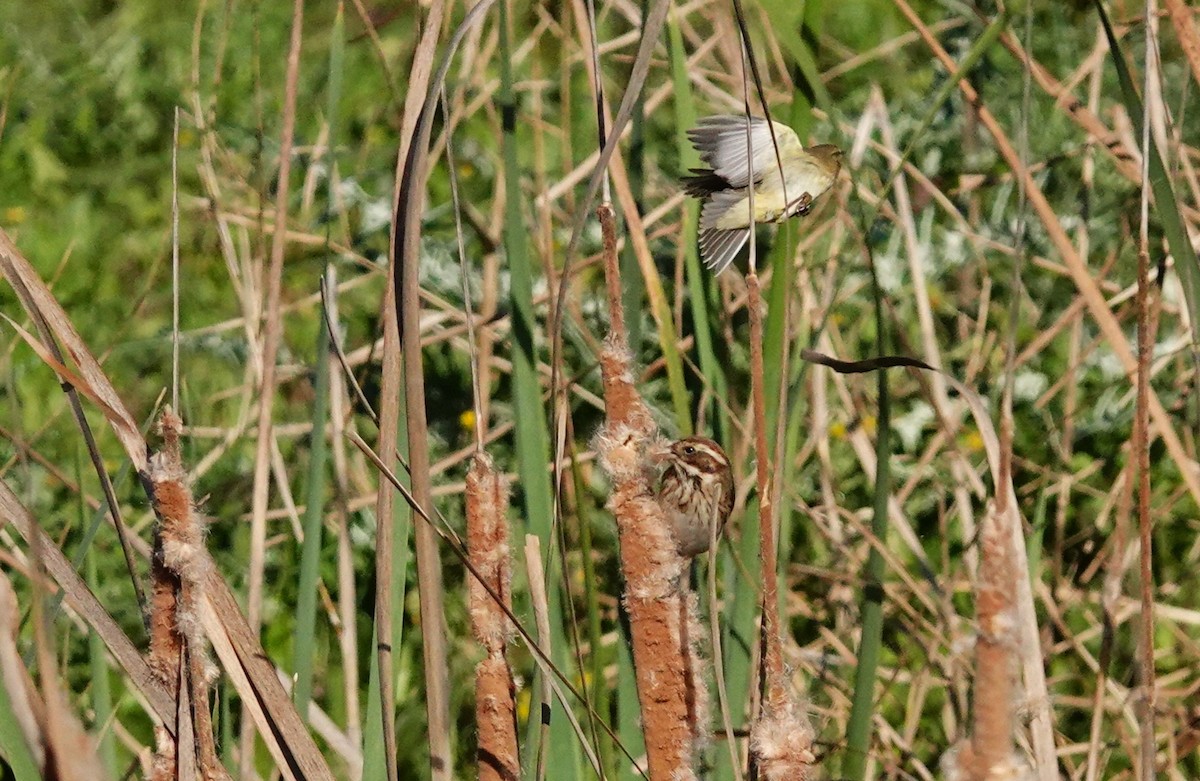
(310, 556)
(13, 750)
(374, 758)
(697, 279)
(668, 342)
(228, 737)
(1165, 205)
(531, 435)
(858, 729)
(102, 706)
(741, 572)
(374, 755)
(787, 21)
(1040, 524)
(599, 687)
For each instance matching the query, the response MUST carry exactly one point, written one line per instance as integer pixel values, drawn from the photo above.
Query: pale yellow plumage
(725, 218)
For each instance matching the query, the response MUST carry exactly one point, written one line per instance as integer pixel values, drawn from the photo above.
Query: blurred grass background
(87, 94)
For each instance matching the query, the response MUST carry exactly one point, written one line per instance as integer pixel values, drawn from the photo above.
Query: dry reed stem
(652, 568)
(405, 278)
(272, 335)
(347, 595)
(160, 704)
(489, 552)
(56, 739)
(389, 414)
(1153, 119)
(781, 737)
(246, 662)
(273, 324)
(1141, 459)
(699, 697)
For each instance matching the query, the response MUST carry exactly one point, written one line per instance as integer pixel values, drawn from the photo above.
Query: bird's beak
(659, 451)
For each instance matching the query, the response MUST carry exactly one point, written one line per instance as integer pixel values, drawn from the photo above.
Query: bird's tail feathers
(718, 248)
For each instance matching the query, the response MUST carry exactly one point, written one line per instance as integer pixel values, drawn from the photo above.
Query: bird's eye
(689, 450)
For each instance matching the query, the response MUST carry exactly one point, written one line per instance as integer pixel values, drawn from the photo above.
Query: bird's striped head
(698, 457)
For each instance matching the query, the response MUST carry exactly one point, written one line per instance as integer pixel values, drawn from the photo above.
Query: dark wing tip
(703, 182)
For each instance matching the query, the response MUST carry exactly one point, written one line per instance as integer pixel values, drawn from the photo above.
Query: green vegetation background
(87, 92)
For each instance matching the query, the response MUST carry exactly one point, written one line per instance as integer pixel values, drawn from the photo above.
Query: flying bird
(724, 187)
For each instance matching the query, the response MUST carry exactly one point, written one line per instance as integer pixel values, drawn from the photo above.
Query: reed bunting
(695, 491)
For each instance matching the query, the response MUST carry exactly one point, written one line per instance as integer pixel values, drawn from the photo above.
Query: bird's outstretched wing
(718, 247)
(721, 142)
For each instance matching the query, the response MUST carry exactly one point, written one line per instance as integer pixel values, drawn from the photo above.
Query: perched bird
(724, 187)
(695, 491)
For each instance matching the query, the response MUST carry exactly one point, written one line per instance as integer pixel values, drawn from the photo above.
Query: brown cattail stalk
(989, 754)
(178, 654)
(663, 651)
(488, 549)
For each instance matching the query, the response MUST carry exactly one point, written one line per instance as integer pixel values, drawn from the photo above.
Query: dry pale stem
(411, 179)
(1141, 448)
(781, 738)
(272, 335)
(775, 680)
(612, 282)
(653, 570)
(488, 549)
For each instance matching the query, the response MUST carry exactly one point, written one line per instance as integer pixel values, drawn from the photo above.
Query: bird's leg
(801, 205)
